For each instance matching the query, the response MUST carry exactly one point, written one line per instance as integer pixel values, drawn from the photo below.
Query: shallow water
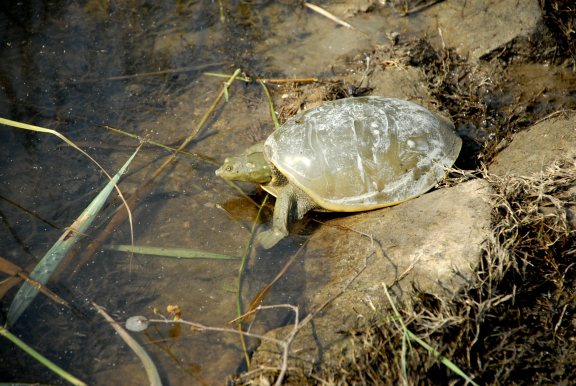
(78, 67)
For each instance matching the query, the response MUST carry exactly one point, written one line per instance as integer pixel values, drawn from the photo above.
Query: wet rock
(478, 28)
(534, 149)
(432, 243)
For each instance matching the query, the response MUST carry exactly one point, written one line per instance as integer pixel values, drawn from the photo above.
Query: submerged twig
(17, 272)
(419, 8)
(288, 80)
(29, 212)
(184, 253)
(49, 264)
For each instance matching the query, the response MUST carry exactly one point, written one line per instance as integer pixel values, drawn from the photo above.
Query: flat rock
(479, 27)
(533, 149)
(433, 242)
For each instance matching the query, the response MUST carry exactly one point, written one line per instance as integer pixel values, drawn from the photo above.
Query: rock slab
(476, 28)
(534, 149)
(433, 242)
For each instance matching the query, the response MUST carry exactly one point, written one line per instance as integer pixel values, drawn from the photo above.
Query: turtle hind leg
(291, 205)
(282, 210)
(270, 238)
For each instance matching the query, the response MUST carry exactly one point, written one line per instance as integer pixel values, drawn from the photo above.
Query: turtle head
(250, 168)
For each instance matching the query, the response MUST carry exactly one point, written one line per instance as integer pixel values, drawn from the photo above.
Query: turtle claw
(270, 238)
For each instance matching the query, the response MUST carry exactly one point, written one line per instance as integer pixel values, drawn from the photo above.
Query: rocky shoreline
(437, 245)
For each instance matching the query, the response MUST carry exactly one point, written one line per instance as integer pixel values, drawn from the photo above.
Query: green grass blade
(51, 261)
(272, 112)
(442, 359)
(40, 358)
(411, 335)
(185, 253)
(240, 270)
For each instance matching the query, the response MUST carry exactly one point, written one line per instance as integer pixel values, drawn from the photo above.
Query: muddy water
(80, 67)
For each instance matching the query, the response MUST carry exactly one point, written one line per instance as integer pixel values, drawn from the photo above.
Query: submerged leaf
(185, 253)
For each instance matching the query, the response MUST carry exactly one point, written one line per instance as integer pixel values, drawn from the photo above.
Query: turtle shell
(364, 153)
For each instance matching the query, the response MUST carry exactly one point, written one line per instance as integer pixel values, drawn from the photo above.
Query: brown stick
(14, 270)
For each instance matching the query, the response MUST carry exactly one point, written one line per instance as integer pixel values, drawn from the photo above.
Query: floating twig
(327, 14)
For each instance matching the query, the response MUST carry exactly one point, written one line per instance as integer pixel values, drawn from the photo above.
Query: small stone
(137, 323)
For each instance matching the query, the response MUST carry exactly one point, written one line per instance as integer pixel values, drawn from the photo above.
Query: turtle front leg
(282, 211)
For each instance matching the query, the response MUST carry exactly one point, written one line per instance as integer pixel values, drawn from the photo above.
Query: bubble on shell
(137, 323)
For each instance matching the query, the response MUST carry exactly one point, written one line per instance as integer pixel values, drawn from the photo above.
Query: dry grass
(561, 19)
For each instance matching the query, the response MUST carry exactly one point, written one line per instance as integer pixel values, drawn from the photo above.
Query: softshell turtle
(347, 155)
